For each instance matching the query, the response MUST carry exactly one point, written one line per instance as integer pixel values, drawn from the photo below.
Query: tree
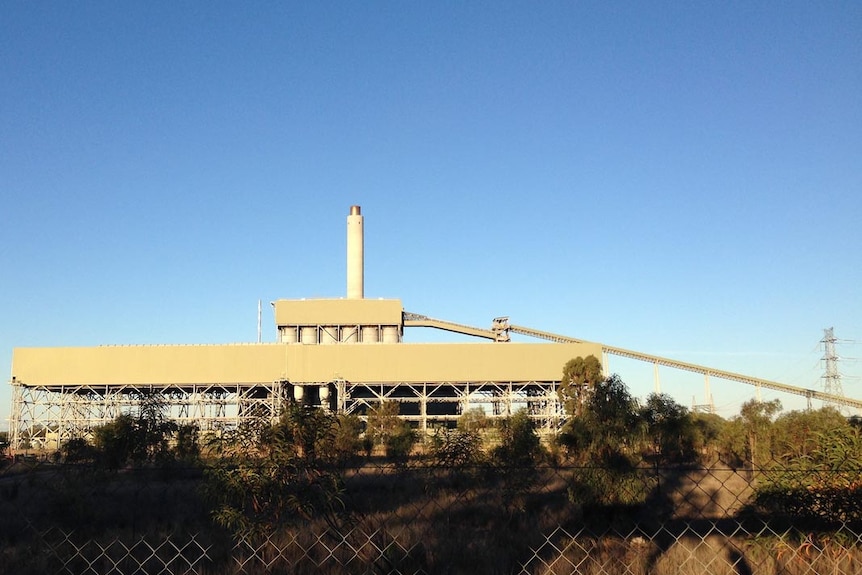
(116, 441)
(77, 449)
(312, 435)
(400, 443)
(139, 439)
(580, 375)
(757, 418)
(796, 433)
(187, 446)
(733, 442)
(608, 425)
(454, 449)
(387, 429)
(382, 421)
(291, 473)
(818, 476)
(707, 432)
(516, 458)
(519, 442)
(669, 426)
(304, 432)
(474, 420)
(611, 413)
(604, 437)
(346, 442)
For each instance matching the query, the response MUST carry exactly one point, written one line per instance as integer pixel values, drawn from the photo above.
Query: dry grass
(408, 520)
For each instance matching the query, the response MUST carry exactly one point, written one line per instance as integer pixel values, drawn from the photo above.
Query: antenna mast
(258, 321)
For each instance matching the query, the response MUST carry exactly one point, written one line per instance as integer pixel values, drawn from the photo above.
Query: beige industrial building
(341, 354)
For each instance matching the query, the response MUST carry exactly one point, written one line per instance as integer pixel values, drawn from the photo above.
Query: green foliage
(670, 427)
(516, 458)
(796, 434)
(303, 432)
(400, 443)
(116, 441)
(346, 439)
(382, 421)
(757, 420)
(609, 423)
(580, 375)
(313, 435)
(457, 448)
(474, 420)
(76, 450)
(519, 442)
(617, 482)
(824, 482)
(154, 429)
(237, 441)
(386, 429)
(707, 432)
(732, 442)
(187, 448)
(138, 440)
(292, 473)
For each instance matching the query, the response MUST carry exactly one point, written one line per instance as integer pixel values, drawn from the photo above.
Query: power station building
(342, 354)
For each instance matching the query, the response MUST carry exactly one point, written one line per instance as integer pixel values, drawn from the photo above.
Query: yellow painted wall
(148, 364)
(338, 312)
(248, 363)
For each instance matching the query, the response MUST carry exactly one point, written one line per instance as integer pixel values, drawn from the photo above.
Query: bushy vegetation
(268, 476)
(386, 430)
(816, 468)
(807, 463)
(145, 438)
(4, 443)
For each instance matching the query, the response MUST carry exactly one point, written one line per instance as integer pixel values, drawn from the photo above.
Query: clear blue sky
(683, 179)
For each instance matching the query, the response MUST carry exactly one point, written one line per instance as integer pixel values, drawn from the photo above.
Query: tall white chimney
(355, 254)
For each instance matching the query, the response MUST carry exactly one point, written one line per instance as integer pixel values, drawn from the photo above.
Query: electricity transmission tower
(831, 377)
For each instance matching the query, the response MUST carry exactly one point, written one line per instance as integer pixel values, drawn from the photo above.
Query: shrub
(400, 442)
(519, 442)
(76, 450)
(456, 448)
(825, 484)
(291, 474)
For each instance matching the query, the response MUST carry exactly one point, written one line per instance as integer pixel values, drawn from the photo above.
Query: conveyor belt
(418, 320)
(709, 371)
(501, 329)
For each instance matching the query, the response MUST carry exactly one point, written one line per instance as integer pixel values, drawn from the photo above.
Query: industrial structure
(831, 377)
(342, 354)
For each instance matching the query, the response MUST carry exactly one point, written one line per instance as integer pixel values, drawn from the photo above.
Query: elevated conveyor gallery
(501, 328)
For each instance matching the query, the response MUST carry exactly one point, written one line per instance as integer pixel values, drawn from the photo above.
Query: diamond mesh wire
(425, 518)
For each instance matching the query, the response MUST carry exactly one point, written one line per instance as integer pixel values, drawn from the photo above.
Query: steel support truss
(45, 417)
(430, 404)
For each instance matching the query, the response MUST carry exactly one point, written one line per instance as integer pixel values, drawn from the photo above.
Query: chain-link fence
(419, 517)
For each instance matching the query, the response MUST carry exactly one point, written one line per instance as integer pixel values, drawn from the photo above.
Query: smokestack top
(355, 211)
